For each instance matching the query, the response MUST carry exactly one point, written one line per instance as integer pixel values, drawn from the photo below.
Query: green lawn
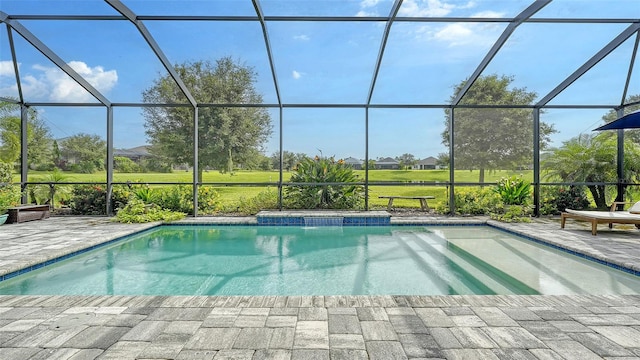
(231, 195)
(273, 176)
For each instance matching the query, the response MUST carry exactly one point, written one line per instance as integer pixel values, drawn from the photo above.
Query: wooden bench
(22, 213)
(423, 200)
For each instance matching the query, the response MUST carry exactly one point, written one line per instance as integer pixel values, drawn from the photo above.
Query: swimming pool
(372, 260)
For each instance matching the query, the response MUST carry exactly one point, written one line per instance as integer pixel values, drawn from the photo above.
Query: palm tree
(53, 178)
(592, 159)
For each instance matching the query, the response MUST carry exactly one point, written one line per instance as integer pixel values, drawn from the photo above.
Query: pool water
(265, 260)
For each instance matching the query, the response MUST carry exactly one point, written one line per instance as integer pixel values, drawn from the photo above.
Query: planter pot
(3, 218)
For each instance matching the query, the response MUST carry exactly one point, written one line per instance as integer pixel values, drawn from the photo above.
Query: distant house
(429, 163)
(136, 154)
(387, 164)
(354, 163)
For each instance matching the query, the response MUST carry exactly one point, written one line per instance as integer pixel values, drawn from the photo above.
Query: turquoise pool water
(265, 260)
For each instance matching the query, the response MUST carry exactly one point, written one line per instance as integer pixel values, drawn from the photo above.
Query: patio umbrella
(629, 121)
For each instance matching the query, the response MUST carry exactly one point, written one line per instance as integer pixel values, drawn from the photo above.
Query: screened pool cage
(368, 81)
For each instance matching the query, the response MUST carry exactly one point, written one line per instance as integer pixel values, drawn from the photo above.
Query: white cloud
(33, 88)
(488, 14)
(460, 34)
(363, 13)
(301, 37)
(424, 8)
(454, 33)
(61, 87)
(435, 8)
(367, 8)
(296, 75)
(369, 3)
(6, 68)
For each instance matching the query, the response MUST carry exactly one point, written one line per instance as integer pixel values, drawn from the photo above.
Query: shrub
(120, 197)
(473, 201)
(125, 165)
(137, 211)
(85, 167)
(267, 199)
(324, 170)
(6, 173)
(208, 200)
(514, 213)
(9, 196)
(554, 199)
(154, 164)
(44, 167)
(513, 190)
(180, 198)
(88, 200)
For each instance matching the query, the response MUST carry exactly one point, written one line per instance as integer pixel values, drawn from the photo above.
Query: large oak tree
(226, 134)
(496, 138)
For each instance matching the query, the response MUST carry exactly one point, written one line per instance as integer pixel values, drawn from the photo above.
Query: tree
(49, 192)
(38, 136)
(592, 158)
(443, 160)
(493, 138)
(225, 134)
(632, 134)
(86, 153)
(289, 159)
(406, 160)
(255, 160)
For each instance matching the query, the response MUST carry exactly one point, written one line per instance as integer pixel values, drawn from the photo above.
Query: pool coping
(630, 268)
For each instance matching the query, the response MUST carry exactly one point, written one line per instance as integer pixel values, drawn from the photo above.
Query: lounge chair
(631, 216)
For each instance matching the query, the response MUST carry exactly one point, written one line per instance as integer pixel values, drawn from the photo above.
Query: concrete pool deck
(314, 327)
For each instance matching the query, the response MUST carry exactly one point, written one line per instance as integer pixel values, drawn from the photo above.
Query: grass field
(419, 182)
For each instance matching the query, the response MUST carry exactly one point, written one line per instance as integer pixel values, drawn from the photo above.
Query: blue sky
(324, 62)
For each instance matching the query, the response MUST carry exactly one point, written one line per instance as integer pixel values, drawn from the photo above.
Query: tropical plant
(54, 188)
(324, 171)
(513, 190)
(592, 159)
(144, 192)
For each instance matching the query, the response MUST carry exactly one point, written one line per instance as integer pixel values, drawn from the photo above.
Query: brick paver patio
(312, 327)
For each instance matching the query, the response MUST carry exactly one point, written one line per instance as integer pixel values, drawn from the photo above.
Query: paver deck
(313, 327)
